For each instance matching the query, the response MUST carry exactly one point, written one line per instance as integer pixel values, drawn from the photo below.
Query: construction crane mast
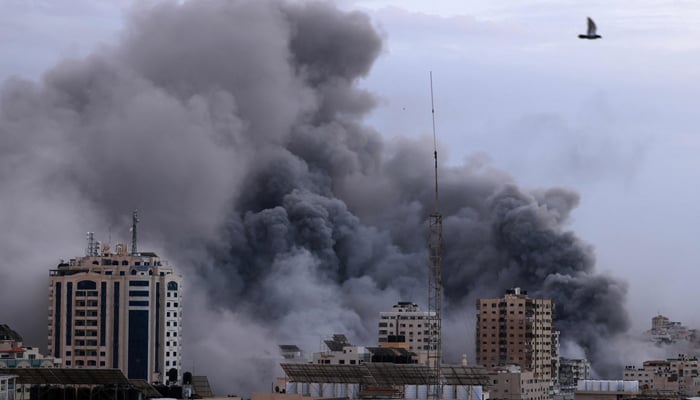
(435, 276)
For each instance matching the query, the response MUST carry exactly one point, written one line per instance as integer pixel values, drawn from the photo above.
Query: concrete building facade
(510, 383)
(678, 375)
(407, 327)
(517, 330)
(116, 310)
(570, 372)
(340, 352)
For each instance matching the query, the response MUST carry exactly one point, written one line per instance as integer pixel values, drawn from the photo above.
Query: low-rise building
(678, 375)
(342, 352)
(13, 353)
(570, 372)
(512, 383)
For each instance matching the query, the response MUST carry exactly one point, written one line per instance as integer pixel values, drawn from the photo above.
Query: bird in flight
(591, 31)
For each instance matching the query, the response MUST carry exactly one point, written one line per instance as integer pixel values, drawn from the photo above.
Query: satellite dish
(187, 378)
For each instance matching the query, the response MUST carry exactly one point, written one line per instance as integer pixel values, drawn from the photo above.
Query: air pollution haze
(236, 128)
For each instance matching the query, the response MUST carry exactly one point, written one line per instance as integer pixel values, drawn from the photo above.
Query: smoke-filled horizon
(236, 128)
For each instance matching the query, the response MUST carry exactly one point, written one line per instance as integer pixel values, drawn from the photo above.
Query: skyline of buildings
(122, 309)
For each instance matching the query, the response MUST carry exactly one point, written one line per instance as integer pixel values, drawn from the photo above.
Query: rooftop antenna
(90, 250)
(435, 275)
(134, 221)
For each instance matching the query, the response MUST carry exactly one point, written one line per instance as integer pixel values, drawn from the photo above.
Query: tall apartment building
(116, 310)
(407, 327)
(516, 330)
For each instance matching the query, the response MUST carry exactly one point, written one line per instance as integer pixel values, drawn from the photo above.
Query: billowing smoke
(235, 127)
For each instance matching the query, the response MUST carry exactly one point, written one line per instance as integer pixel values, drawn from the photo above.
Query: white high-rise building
(117, 310)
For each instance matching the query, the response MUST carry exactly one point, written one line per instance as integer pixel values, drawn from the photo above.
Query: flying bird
(591, 31)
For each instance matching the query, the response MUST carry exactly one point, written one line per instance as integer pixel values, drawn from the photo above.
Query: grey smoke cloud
(235, 127)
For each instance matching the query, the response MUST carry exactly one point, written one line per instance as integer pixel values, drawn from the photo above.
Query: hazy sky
(613, 119)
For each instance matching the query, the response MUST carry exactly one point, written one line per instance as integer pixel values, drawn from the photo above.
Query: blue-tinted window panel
(103, 313)
(138, 344)
(138, 283)
(115, 327)
(138, 303)
(138, 293)
(69, 312)
(172, 285)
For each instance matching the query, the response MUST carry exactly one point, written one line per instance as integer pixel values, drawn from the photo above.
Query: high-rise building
(516, 330)
(407, 327)
(117, 310)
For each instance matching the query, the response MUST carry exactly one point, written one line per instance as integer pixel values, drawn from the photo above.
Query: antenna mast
(134, 221)
(435, 275)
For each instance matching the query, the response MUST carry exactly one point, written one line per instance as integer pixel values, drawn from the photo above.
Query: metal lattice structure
(385, 374)
(67, 376)
(435, 276)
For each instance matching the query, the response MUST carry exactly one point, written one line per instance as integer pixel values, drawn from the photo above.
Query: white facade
(117, 310)
(408, 327)
(7, 387)
(349, 355)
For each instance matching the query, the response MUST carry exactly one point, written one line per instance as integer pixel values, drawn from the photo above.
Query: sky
(515, 92)
(613, 119)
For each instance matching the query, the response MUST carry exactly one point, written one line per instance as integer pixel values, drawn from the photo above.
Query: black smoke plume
(236, 128)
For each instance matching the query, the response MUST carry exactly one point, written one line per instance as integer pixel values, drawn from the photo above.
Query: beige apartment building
(677, 375)
(116, 310)
(511, 383)
(517, 330)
